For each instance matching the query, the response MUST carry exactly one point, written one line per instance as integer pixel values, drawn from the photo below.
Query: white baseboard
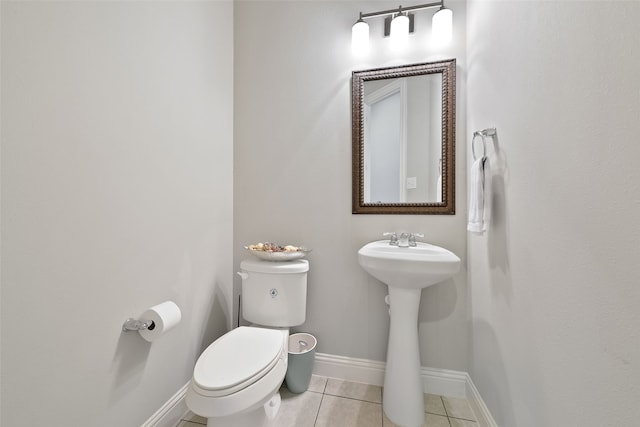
(443, 382)
(349, 368)
(481, 411)
(171, 412)
(435, 381)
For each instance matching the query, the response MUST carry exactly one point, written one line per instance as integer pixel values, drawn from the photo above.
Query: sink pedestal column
(402, 399)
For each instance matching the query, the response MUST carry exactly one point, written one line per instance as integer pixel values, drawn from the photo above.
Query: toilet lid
(238, 359)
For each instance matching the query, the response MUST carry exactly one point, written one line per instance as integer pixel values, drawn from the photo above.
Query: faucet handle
(412, 238)
(393, 240)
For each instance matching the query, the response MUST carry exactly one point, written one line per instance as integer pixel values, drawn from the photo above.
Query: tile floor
(335, 403)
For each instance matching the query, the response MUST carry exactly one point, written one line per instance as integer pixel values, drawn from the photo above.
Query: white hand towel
(479, 196)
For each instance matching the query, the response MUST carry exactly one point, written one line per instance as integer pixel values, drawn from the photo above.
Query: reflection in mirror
(403, 139)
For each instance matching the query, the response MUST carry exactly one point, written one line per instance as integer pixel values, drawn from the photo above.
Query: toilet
(236, 379)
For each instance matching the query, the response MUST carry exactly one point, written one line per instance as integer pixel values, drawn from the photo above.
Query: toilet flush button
(273, 292)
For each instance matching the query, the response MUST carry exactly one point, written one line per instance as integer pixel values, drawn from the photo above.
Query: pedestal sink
(406, 271)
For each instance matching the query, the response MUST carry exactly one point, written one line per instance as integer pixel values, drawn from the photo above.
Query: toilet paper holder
(132, 324)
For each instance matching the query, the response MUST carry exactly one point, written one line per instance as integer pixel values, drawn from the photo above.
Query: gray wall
(292, 173)
(554, 283)
(117, 168)
(116, 195)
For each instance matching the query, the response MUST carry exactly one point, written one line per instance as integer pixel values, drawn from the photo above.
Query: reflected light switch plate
(411, 182)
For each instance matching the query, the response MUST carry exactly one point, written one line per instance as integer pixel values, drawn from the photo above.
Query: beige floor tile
(298, 410)
(458, 408)
(457, 422)
(184, 423)
(317, 383)
(195, 418)
(430, 420)
(367, 392)
(433, 404)
(433, 420)
(342, 412)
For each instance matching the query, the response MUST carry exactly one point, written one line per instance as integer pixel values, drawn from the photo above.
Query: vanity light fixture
(360, 36)
(442, 26)
(399, 30)
(399, 23)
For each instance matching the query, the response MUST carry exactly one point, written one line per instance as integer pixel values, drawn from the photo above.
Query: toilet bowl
(236, 379)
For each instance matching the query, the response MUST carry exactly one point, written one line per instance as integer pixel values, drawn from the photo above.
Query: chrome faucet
(393, 240)
(412, 238)
(404, 241)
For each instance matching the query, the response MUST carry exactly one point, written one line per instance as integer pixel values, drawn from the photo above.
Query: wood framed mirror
(403, 139)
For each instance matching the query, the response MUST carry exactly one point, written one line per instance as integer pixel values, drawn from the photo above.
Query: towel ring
(492, 132)
(484, 145)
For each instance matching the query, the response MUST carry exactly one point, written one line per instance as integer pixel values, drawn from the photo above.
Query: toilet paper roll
(164, 317)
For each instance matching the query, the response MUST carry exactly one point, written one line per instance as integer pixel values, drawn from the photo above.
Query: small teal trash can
(302, 352)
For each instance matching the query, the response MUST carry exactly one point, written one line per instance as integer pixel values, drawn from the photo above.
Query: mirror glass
(403, 139)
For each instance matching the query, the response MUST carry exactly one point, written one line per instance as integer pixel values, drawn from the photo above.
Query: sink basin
(406, 271)
(413, 267)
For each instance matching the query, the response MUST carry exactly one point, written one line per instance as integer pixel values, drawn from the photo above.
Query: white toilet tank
(274, 293)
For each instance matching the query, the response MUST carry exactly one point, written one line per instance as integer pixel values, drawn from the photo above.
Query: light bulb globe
(399, 31)
(360, 37)
(442, 26)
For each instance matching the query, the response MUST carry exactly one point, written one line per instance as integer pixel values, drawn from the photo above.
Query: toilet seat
(238, 359)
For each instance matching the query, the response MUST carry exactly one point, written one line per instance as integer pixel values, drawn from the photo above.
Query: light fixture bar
(399, 23)
(404, 9)
(387, 24)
